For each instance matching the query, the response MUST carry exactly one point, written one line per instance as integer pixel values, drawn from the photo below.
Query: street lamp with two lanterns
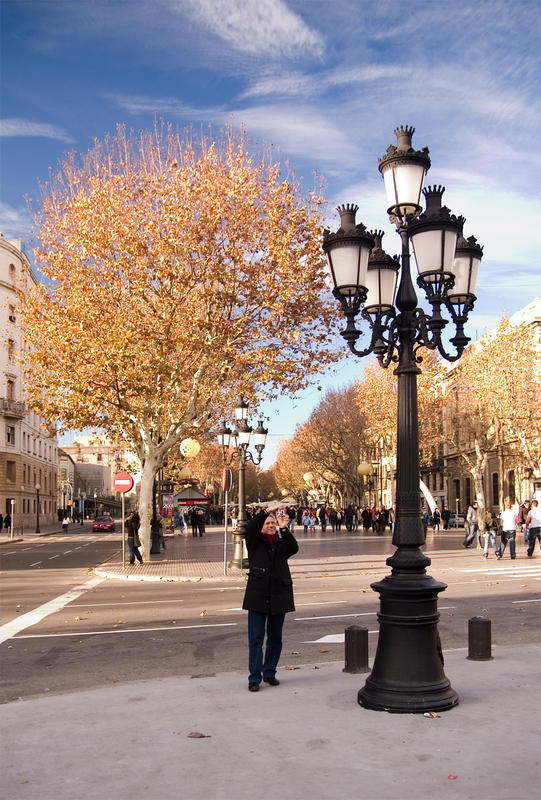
(238, 440)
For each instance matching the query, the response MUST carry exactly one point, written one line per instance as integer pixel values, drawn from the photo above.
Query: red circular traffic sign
(122, 482)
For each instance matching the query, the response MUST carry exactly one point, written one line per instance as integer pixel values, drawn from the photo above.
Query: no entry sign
(122, 482)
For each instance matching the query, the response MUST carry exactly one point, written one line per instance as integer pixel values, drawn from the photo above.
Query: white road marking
(51, 557)
(18, 624)
(35, 563)
(11, 552)
(538, 600)
(126, 630)
(335, 616)
(331, 638)
(66, 552)
(126, 603)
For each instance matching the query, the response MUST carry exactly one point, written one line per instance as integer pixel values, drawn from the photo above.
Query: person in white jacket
(508, 519)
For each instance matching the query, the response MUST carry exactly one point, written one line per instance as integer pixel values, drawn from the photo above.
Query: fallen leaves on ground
(290, 666)
(323, 650)
(198, 735)
(203, 613)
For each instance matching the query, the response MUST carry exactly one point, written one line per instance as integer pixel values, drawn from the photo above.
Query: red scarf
(270, 537)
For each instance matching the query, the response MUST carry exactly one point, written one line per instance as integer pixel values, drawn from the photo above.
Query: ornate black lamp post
(407, 675)
(239, 440)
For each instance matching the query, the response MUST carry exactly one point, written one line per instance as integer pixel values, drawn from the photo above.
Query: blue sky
(325, 82)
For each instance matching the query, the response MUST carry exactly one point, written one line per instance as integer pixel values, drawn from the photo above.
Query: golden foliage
(179, 274)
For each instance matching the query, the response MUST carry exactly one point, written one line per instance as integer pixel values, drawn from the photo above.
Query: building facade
(28, 447)
(507, 473)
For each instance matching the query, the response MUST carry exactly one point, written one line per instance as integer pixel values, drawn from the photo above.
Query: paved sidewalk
(192, 559)
(306, 739)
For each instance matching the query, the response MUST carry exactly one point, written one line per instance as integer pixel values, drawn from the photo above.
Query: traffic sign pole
(123, 536)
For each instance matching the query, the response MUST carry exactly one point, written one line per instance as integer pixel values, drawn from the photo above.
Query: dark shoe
(253, 687)
(272, 681)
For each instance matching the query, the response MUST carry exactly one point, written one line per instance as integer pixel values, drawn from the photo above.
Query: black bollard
(356, 649)
(479, 639)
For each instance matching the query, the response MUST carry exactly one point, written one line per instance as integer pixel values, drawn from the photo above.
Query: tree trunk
(150, 468)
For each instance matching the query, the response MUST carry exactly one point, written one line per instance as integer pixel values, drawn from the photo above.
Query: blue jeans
(257, 623)
(508, 536)
(134, 551)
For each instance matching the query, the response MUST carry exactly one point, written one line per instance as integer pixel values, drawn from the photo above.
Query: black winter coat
(270, 588)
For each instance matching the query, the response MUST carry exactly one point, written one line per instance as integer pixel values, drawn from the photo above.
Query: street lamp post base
(407, 676)
(240, 554)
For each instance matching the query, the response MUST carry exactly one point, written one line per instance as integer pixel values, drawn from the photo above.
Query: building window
(495, 489)
(12, 314)
(11, 474)
(11, 350)
(456, 483)
(468, 492)
(10, 389)
(10, 434)
(511, 485)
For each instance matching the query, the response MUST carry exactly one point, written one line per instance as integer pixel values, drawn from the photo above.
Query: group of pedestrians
(350, 517)
(511, 521)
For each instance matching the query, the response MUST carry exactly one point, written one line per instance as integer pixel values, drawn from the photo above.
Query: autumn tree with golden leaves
(493, 401)
(178, 275)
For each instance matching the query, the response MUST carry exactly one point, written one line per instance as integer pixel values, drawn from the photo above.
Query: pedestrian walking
(193, 520)
(534, 526)
(472, 527)
(200, 521)
(445, 516)
(306, 520)
(292, 515)
(436, 520)
(156, 529)
(322, 519)
(508, 519)
(65, 523)
(491, 533)
(269, 593)
(7, 522)
(133, 523)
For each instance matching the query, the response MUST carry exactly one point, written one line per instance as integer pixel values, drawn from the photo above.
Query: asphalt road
(97, 632)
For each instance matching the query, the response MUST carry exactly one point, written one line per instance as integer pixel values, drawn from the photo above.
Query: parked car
(103, 523)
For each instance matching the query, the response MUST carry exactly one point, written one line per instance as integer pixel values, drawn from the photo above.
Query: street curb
(11, 541)
(156, 578)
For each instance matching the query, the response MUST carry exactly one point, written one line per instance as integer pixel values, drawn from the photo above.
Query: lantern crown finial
(404, 134)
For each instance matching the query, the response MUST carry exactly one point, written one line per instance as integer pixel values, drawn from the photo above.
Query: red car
(104, 523)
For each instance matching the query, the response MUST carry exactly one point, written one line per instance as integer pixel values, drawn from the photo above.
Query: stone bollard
(479, 639)
(356, 649)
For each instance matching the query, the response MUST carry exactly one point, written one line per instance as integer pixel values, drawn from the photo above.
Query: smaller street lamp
(37, 487)
(239, 440)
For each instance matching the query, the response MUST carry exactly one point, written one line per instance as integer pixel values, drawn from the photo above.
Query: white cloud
(15, 126)
(14, 222)
(256, 27)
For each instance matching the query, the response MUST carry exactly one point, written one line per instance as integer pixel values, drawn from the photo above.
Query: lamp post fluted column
(407, 674)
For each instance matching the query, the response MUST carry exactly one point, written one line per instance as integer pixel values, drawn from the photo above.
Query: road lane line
(127, 630)
(521, 602)
(126, 603)
(51, 557)
(36, 563)
(336, 616)
(18, 624)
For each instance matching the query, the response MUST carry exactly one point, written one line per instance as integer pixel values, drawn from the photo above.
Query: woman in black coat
(269, 592)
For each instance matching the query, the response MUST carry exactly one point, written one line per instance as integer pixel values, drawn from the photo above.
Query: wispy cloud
(256, 27)
(15, 126)
(14, 221)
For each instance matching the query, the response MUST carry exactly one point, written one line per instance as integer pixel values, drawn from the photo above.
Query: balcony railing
(12, 408)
